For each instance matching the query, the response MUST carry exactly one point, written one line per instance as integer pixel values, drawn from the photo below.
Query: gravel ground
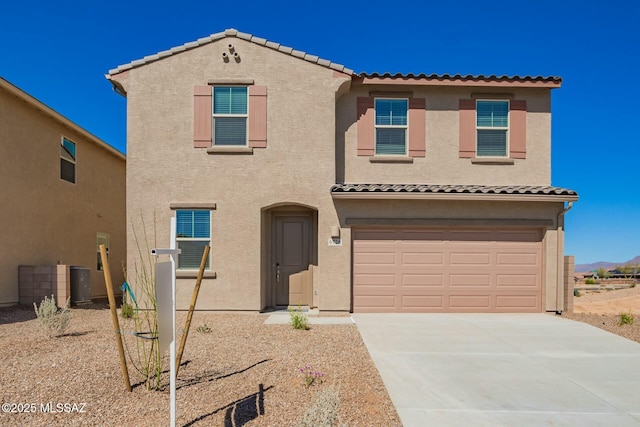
(242, 373)
(596, 304)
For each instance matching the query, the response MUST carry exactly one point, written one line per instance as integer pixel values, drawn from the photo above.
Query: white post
(172, 351)
(172, 252)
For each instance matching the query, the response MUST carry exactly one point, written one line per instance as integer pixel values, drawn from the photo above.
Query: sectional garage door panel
(418, 270)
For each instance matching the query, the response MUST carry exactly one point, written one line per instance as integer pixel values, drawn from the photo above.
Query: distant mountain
(584, 268)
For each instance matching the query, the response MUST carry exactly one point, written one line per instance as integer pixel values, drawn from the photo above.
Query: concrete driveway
(503, 370)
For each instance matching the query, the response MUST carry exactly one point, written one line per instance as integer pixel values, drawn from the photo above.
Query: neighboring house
(414, 193)
(63, 191)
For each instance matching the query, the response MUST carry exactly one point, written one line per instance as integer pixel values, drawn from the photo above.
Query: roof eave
(454, 196)
(116, 85)
(50, 112)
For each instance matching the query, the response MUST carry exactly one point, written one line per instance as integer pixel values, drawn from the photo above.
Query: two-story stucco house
(406, 193)
(63, 194)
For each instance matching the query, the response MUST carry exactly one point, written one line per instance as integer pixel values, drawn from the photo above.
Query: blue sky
(59, 52)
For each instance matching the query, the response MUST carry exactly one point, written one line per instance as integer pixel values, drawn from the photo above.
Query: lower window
(193, 233)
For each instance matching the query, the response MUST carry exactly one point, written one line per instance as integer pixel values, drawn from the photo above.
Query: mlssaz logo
(68, 408)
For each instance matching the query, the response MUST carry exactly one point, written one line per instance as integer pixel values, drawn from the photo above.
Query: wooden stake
(114, 316)
(192, 307)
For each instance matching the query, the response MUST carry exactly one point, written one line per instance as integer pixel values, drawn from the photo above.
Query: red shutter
(366, 117)
(258, 116)
(417, 122)
(202, 116)
(518, 129)
(467, 136)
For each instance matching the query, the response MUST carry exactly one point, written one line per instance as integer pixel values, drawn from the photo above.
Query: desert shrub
(590, 281)
(298, 320)
(311, 377)
(625, 319)
(576, 292)
(203, 329)
(126, 310)
(323, 412)
(143, 353)
(53, 320)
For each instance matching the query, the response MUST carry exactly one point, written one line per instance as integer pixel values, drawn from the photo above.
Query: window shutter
(518, 129)
(467, 119)
(417, 122)
(202, 116)
(366, 128)
(258, 116)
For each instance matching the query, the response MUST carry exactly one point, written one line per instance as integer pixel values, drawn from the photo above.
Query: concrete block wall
(569, 283)
(38, 281)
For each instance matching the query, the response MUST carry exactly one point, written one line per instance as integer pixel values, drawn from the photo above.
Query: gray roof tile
(436, 188)
(272, 45)
(259, 40)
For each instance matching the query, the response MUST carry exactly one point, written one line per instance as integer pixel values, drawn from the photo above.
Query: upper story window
(193, 233)
(391, 126)
(230, 115)
(68, 160)
(492, 125)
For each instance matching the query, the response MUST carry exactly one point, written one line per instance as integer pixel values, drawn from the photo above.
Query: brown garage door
(424, 270)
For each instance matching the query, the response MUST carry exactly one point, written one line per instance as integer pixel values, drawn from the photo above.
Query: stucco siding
(312, 143)
(442, 142)
(46, 220)
(296, 167)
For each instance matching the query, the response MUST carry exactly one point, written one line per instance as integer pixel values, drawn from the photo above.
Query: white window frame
(504, 128)
(74, 161)
(214, 116)
(193, 239)
(377, 126)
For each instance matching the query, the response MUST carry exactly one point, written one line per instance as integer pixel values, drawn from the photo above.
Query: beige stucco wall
(45, 220)
(311, 145)
(297, 167)
(442, 141)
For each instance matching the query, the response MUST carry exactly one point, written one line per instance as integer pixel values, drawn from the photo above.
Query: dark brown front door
(292, 252)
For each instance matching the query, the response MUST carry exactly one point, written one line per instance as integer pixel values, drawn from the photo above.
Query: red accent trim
(258, 116)
(417, 123)
(366, 126)
(467, 119)
(518, 129)
(202, 104)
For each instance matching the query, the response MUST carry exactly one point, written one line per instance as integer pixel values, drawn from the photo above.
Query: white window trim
(214, 115)
(507, 149)
(74, 162)
(377, 126)
(193, 239)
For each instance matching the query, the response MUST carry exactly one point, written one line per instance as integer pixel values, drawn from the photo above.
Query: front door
(292, 251)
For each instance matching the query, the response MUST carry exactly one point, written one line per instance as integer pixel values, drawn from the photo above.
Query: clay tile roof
(232, 32)
(468, 189)
(467, 77)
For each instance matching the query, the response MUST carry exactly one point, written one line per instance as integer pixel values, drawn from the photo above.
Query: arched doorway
(290, 245)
